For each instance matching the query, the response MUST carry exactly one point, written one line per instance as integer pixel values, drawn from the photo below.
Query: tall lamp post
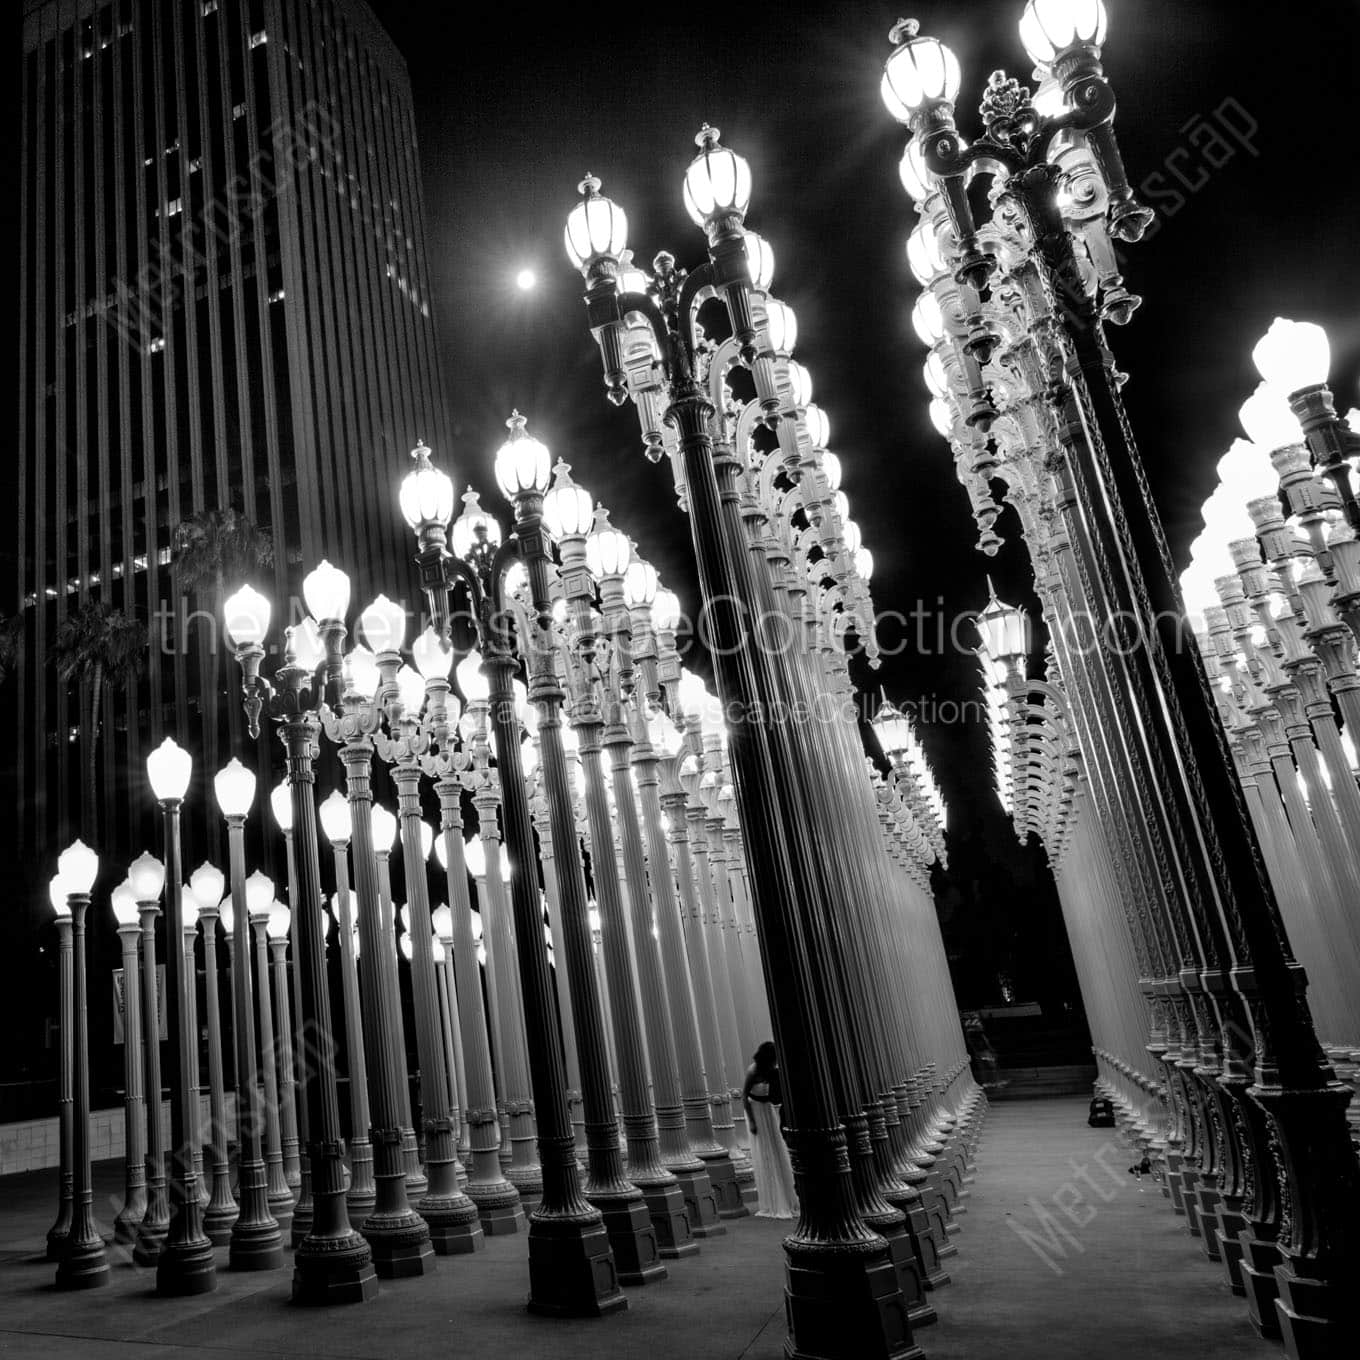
(59, 1234)
(126, 914)
(256, 1237)
(185, 1264)
(83, 1263)
(146, 874)
(206, 885)
(571, 1265)
(277, 929)
(1287, 1105)
(333, 1263)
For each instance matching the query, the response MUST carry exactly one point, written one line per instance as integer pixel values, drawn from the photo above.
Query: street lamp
(206, 885)
(185, 1264)
(332, 1263)
(83, 1263)
(126, 915)
(59, 1234)
(571, 1265)
(277, 927)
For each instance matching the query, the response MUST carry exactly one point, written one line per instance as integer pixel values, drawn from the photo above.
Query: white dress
(770, 1160)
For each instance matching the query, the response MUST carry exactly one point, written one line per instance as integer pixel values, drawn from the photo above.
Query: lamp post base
(701, 1202)
(571, 1269)
(628, 1225)
(334, 1270)
(255, 1246)
(722, 1176)
(220, 1218)
(189, 1267)
(498, 1207)
(666, 1207)
(401, 1245)
(129, 1217)
(150, 1239)
(456, 1227)
(84, 1266)
(1259, 1259)
(844, 1300)
(58, 1239)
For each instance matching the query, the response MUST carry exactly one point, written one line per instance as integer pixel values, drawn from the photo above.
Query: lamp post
(277, 927)
(259, 901)
(572, 1270)
(83, 1264)
(147, 876)
(332, 1263)
(206, 886)
(832, 1254)
(59, 1234)
(125, 913)
(336, 825)
(281, 804)
(185, 1264)
(256, 1241)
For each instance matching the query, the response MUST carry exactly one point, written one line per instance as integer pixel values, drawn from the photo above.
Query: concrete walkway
(1064, 1284)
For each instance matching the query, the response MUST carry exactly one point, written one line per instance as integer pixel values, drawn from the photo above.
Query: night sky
(511, 113)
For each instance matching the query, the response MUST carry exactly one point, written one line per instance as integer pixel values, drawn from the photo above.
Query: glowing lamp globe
(304, 645)
(280, 918)
(505, 864)
(410, 690)
(384, 829)
(281, 803)
(924, 256)
(864, 564)
(927, 320)
(474, 856)
(800, 383)
(937, 380)
(760, 261)
(893, 729)
(245, 615)
(441, 852)
(916, 179)
(818, 425)
(441, 920)
(57, 893)
(473, 526)
(1267, 419)
(523, 463)
(607, 550)
(206, 885)
(920, 72)
(259, 895)
(596, 227)
(147, 875)
(326, 591)
(335, 818)
(593, 915)
(124, 903)
(434, 660)
(234, 786)
(781, 325)
(941, 418)
(1005, 632)
(383, 625)
(188, 909)
(427, 839)
(718, 181)
(426, 494)
(831, 470)
(362, 676)
(169, 768)
(1293, 355)
(568, 510)
(1051, 28)
(475, 686)
(78, 867)
(227, 915)
(640, 584)
(666, 611)
(850, 533)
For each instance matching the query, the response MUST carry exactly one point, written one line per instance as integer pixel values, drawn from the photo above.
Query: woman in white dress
(762, 1096)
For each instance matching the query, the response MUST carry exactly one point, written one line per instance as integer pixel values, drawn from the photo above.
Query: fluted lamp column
(126, 914)
(59, 1234)
(277, 928)
(83, 1264)
(186, 1264)
(147, 876)
(206, 886)
(256, 1238)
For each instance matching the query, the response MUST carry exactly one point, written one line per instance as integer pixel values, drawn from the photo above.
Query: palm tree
(11, 644)
(102, 648)
(214, 548)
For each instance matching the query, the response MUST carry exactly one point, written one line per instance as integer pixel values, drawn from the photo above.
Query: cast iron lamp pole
(206, 886)
(571, 1265)
(281, 804)
(59, 1234)
(334, 814)
(277, 928)
(83, 1263)
(125, 913)
(147, 876)
(185, 1264)
(832, 1255)
(256, 1241)
(333, 1263)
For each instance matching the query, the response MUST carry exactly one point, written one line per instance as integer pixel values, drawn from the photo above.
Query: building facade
(225, 303)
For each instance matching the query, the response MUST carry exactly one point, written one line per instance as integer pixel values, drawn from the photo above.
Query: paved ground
(1127, 1282)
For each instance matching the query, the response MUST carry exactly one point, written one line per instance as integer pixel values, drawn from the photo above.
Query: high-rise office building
(225, 303)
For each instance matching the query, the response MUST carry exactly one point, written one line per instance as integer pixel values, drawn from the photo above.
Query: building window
(209, 7)
(259, 39)
(174, 207)
(156, 345)
(238, 111)
(276, 295)
(163, 557)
